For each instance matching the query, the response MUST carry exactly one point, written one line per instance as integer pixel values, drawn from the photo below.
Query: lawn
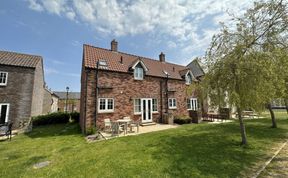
(203, 150)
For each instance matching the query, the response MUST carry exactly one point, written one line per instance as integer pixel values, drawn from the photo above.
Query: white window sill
(155, 112)
(3, 84)
(138, 79)
(107, 111)
(173, 108)
(137, 113)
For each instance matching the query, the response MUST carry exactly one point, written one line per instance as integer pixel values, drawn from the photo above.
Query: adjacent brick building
(21, 87)
(116, 84)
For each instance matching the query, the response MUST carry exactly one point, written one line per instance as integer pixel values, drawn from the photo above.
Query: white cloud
(190, 24)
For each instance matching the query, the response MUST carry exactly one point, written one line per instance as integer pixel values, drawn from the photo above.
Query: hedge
(55, 118)
(182, 120)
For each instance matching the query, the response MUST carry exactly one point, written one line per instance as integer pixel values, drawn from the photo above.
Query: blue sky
(57, 29)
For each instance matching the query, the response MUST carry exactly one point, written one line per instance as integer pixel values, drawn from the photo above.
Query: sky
(57, 30)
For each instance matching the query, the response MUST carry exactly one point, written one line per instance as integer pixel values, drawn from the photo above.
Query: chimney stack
(162, 57)
(114, 45)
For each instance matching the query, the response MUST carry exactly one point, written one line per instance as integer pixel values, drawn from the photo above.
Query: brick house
(21, 87)
(73, 103)
(116, 84)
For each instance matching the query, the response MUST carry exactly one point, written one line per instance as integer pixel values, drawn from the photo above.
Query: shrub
(91, 131)
(182, 120)
(75, 116)
(53, 118)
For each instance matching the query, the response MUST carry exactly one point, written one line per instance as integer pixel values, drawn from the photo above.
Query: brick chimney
(162, 57)
(114, 45)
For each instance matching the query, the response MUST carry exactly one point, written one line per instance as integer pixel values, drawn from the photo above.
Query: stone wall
(18, 93)
(38, 90)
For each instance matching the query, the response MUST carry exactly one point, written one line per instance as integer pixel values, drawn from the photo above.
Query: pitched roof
(71, 95)
(196, 68)
(155, 67)
(18, 59)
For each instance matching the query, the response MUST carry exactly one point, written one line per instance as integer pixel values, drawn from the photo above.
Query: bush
(182, 120)
(75, 116)
(53, 118)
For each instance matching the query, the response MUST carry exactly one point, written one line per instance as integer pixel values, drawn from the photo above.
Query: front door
(146, 110)
(4, 110)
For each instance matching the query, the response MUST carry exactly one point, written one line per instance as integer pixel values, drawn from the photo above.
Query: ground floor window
(137, 106)
(192, 104)
(4, 113)
(154, 105)
(172, 103)
(105, 105)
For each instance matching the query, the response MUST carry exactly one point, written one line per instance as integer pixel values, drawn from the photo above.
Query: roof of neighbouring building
(196, 68)
(18, 59)
(155, 67)
(71, 95)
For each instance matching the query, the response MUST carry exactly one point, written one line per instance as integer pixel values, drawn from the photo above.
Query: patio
(142, 129)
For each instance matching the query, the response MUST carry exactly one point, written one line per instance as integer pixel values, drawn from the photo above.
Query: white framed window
(105, 105)
(138, 73)
(172, 103)
(4, 112)
(137, 106)
(154, 105)
(188, 78)
(192, 104)
(3, 78)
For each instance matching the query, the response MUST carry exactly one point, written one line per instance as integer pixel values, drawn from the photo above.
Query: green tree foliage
(241, 60)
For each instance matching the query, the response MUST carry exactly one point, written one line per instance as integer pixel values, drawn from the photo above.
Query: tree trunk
(274, 124)
(286, 104)
(242, 127)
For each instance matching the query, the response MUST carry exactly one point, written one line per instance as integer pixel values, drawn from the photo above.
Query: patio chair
(6, 130)
(132, 124)
(116, 128)
(107, 125)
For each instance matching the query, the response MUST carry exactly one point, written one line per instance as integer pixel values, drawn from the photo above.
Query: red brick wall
(125, 89)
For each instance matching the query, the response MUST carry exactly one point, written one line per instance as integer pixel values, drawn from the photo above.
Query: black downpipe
(161, 101)
(167, 76)
(96, 94)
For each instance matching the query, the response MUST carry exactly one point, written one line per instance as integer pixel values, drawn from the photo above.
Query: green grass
(204, 150)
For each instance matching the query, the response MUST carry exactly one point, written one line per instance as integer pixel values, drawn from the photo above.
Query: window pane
(102, 104)
(137, 105)
(110, 104)
(174, 102)
(188, 104)
(154, 106)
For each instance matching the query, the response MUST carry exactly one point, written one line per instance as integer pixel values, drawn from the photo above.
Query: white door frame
(7, 112)
(145, 113)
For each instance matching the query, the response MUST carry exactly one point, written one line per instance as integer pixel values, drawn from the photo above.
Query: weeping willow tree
(241, 62)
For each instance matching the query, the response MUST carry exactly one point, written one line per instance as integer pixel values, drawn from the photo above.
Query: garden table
(125, 122)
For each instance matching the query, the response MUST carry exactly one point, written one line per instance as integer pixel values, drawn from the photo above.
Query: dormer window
(3, 78)
(138, 72)
(188, 78)
(139, 68)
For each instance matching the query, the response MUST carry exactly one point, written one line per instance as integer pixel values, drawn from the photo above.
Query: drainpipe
(161, 101)
(85, 105)
(96, 93)
(167, 76)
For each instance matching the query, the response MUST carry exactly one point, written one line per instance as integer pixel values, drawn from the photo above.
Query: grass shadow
(55, 130)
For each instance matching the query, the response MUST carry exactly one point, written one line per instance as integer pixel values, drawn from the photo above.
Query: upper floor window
(172, 103)
(3, 78)
(188, 78)
(105, 105)
(138, 73)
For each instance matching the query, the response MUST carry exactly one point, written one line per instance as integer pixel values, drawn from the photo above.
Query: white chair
(132, 123)
(107, 125)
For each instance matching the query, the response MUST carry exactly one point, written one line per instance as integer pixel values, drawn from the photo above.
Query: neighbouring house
(50, 102)
(73, 102)
(21, 87)
(115, 84)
